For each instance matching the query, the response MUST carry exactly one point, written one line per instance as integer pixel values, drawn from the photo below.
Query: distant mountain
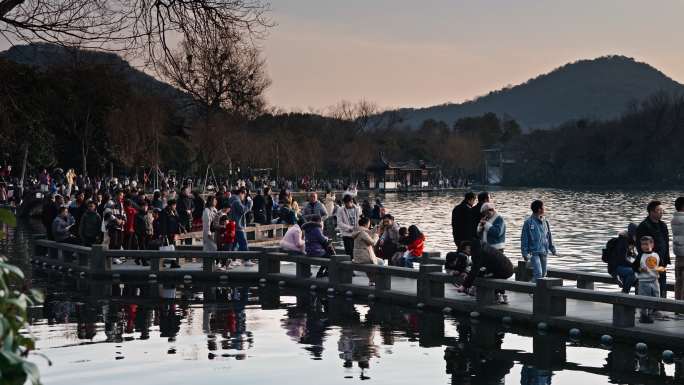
(595, 89)
(43, 55)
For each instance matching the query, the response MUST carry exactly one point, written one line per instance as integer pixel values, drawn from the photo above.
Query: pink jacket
(292, 240)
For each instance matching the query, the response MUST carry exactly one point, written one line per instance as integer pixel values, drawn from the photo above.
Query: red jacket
(131, 212)
(416, 247)
(229, 235)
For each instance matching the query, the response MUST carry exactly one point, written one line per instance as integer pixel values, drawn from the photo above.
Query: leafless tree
(220, 69)
(140, 26)
(363, 114)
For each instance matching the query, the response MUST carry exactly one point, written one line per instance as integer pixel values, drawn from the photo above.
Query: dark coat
(661, 237)
(170, 223)
(475, 216)
(259, 209)
(90, 227)
(314, 240)
(185, 203)
(460, 222)
(269, 208)
(488, 262)
(457, 261)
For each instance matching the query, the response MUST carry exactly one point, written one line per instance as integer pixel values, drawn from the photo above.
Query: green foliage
(14, 304)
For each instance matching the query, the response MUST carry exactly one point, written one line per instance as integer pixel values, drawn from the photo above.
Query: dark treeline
(641, 148)
(90, 116)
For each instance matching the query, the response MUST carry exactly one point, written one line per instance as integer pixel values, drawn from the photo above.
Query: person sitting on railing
(316, 244)
(389, 237)
(398, 256)
(488, 262)
(293, 241)
(459, 264)
(414, 249)
(363, 253)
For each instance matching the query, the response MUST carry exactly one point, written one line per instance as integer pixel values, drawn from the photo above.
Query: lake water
(256, 336)
(261, 335)
(581, 221)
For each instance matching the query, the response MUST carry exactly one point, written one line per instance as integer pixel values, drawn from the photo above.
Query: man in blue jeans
(240, 205)
(536, 241)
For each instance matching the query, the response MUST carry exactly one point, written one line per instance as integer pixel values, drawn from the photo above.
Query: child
(414, 249)
(398, 256)
(460, 263)
(225, 234)
(648, 275)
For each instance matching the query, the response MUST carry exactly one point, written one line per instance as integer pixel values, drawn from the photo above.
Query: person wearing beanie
(621, 261)
(492, 228)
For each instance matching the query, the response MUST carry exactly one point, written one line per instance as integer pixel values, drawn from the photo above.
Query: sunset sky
(419, 53)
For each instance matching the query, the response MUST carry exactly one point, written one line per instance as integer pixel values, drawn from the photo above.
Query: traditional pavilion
(388, 175)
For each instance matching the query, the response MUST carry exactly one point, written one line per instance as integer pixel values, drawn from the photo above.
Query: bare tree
(220, 69)
(142, 26)
(132, 128)
(363, 114)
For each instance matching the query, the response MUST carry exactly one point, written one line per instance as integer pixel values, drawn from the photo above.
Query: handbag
(166, 245)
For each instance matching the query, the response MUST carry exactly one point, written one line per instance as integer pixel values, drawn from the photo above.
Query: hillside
(595, 89)
(43, 55)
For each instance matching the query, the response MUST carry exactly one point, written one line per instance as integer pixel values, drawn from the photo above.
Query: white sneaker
(117, 261)
(249, 263)
(236, 263)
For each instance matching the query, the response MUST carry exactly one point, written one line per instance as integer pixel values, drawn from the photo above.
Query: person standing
(347, 219)
(460, 219)
(240, 205)
(654, 227)
(678, 246)
(314, 207)
(269, 205)
(476, 214)
(649, 270)
(61, 225)
(115, 216)
(185, 207)
(259, 208)
(210, 212)
(90, 228)
(492, 228)
(536, 241)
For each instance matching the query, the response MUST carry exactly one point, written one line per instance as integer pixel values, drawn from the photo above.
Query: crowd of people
(637, 258)
(87, 212)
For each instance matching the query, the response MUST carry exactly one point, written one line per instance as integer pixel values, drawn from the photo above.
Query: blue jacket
(536, 237)
(495, 232)
(238, 210)
(314, 240)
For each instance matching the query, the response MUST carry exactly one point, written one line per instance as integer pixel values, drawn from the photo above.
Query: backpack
(608, 252)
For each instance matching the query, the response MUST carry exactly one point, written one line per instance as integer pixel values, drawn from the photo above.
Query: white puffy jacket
(678, 233)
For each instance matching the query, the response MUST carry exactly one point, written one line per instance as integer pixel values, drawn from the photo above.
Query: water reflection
(236, 323)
